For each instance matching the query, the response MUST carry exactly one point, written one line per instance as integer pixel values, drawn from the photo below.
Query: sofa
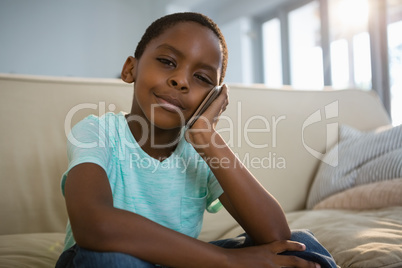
(313, 150)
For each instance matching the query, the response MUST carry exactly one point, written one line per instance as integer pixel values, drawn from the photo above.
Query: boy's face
(175, 73)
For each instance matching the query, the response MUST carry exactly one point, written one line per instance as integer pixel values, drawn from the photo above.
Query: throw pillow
(363, 157)
(368, 196)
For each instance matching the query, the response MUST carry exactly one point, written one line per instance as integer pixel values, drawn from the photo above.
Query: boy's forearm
(126, 232)
(260, 214)
(97, 225)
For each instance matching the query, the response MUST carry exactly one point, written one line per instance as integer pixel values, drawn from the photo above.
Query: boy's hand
(206, 123)
(266, 256)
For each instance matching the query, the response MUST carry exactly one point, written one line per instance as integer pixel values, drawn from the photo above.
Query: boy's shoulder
(108, 115)
(108, 124)
(101, 120)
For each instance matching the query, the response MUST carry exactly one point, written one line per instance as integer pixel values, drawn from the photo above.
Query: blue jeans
(76, 256)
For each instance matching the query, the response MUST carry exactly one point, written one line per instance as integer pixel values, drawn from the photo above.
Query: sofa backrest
(33, 115)
(285, 132)
(278, 134)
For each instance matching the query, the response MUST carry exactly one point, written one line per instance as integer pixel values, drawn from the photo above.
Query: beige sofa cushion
(356, 239)
(30, 250)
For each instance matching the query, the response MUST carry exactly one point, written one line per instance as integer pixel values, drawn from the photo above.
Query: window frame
(377, 29)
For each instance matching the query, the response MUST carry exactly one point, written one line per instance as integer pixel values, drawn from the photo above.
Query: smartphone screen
(212, 95)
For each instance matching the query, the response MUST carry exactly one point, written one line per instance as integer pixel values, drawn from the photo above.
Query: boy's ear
(128, 72)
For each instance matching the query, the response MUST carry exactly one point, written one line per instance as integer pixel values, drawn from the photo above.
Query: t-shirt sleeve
(87, 143)
(214, 192)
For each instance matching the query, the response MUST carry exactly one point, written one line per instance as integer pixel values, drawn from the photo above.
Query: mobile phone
(212, 95)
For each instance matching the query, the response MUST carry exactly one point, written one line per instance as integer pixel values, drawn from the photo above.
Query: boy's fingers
(218, 105)
(224, 95)
(288, 260)
(225, 92)
(286, 245)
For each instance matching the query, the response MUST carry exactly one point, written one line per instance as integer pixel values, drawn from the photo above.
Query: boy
(126, 214)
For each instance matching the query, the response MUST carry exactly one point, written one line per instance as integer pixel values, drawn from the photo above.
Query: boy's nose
(179, 82)
(175, 84)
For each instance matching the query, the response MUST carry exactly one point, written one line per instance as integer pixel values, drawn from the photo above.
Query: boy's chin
(167, 120)
(166, 125)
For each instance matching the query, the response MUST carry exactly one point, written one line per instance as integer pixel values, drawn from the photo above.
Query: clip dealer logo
(330, 111)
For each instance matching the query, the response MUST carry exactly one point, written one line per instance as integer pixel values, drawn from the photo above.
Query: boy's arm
(255, 209)
(98, 226)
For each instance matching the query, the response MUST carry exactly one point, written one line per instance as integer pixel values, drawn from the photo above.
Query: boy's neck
(158, 143)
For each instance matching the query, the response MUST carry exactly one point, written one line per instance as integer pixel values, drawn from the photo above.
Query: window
(395, 58)
(362, 61)
(350, 44)
(340, 63)
(306, 66)
(342, 42)
(272, 53)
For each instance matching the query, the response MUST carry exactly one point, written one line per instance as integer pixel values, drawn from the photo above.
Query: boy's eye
(166, 62)
(204, 79)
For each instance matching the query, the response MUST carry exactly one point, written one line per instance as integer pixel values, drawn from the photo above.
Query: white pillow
(363, 157)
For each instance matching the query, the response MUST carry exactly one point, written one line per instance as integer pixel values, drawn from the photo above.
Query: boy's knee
(301, 234)
(314, 250)
(307, 238)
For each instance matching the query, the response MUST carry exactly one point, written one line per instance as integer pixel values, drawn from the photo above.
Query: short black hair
(160, 25)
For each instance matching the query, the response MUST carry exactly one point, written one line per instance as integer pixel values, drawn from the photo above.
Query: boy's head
(159, 26)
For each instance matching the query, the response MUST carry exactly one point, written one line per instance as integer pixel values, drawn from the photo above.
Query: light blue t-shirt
(173, 193)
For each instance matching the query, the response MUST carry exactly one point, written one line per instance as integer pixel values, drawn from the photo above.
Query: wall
(90, 38)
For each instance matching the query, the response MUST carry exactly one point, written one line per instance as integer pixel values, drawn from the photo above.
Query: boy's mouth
(169, 103)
